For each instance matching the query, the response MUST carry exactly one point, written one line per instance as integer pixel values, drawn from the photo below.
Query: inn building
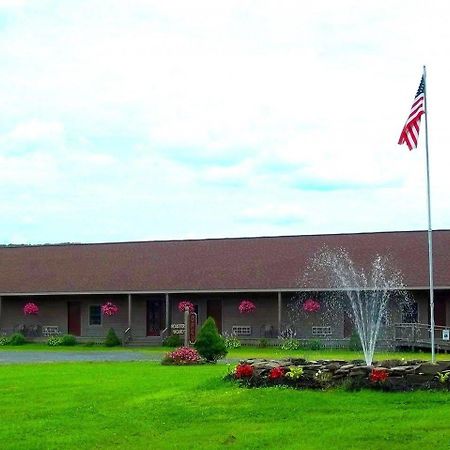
(147, 280)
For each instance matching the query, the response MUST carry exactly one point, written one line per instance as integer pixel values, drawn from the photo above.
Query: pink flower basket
(246, 307)
(311, 305)
(109, 309)
(30, 309)
(185, 304)
(184, 355)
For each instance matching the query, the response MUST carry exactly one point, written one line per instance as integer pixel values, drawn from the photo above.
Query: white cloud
(155, 110)
(35, 130)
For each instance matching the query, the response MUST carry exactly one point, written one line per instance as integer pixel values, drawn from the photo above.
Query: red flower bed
(243, 371)
(276, 372)
(311, 305)
(246, 307)
(184, 355)
(378, 375)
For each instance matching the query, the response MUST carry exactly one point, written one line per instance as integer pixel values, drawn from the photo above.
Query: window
(241, 330)
(95, 315)
(321, 331)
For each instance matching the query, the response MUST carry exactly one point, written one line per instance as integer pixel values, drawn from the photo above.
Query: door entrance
(74, 318)
(214, 310)
(440, 315)
(155, 317)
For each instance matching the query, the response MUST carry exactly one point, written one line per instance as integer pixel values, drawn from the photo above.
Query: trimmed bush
(210, 344)
(355, 342)
(3, 340)
(313, 344)
(68, 340)
(290, 344)
(263, 343)
(172, 341)
(54, 341)
(111, 339)
(17, 339)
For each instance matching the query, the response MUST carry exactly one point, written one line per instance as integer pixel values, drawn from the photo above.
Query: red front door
(74, 318)
(214, 310)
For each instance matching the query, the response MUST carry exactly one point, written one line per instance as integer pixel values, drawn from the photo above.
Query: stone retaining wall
(390, 375)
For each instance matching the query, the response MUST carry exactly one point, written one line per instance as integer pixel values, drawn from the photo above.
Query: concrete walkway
(21, 357)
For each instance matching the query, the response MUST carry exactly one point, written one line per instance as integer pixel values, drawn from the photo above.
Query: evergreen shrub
(355, 342)
(210, 344)
(111, 339)
(68, 340)
(173, 340)
(17, 339)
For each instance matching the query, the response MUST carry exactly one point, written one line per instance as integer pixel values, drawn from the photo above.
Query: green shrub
(355, 342)
(89, 344)
(17, 339)
(173, 340)
(3, 341)
(210, 344)
(231, 341)
(314, 344)
(68, 340)
(263, 343)
(290, 344)
(54, 341)
(111, 339)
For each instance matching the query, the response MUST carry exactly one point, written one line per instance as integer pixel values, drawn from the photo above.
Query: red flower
(109, 309)
(246, 307)
(276, 372)
(30, 309)
(243, 371)
(378, 375)
(311, 305)
(185, 304)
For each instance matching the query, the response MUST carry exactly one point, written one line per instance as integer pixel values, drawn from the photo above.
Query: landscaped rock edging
(395, 375)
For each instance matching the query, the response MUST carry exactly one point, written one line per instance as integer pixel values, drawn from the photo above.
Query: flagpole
(430, 235)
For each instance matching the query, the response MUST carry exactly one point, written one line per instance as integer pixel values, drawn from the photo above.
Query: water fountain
(367, 291)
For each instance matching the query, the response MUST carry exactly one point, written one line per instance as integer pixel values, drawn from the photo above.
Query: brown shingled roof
(209, 264)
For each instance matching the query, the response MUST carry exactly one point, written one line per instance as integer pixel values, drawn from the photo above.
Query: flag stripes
(410, 132)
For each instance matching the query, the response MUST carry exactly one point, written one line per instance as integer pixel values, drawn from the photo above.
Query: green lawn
(149, 406)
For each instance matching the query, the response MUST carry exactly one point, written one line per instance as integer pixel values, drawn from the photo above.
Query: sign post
(186, 327)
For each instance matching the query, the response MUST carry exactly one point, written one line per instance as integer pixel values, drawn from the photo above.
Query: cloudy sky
(169, 119)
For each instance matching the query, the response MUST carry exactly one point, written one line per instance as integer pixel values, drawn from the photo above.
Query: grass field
(149, 406)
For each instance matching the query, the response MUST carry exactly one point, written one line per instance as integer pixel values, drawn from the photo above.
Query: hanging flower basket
(31, 309)
(311, 305)
(246, 307)
(185, 304)
(109, 309)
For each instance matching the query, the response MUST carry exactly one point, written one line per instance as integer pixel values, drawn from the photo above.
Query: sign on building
(177, 328)
(192, 327)
(446, 335)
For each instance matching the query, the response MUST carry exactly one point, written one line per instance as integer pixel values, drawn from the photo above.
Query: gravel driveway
(20, 357)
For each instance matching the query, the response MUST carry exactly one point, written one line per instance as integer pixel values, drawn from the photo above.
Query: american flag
(410, 132)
